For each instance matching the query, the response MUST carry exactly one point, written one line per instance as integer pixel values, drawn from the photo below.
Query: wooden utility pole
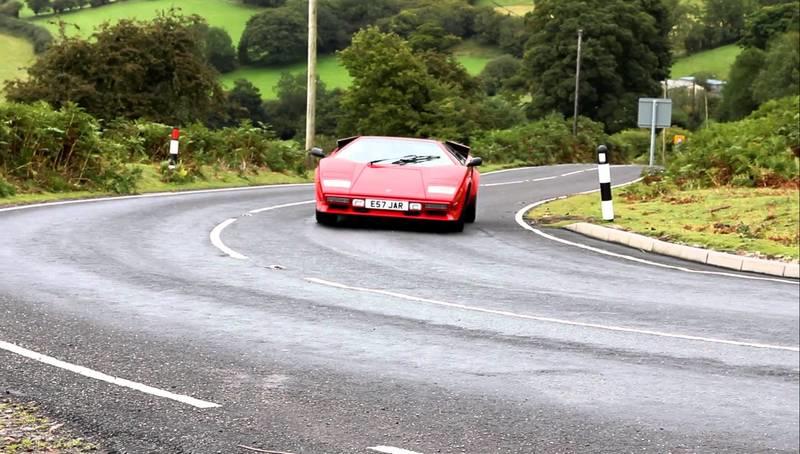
(577, 84)
(311, 101)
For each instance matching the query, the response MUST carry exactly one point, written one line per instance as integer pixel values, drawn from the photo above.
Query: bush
(761, 150)
(38, 36)
(6, 188)
(629, 144)
(546, 141)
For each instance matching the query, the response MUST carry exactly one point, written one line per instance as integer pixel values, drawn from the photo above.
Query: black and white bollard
(604, 173)
(173, 148)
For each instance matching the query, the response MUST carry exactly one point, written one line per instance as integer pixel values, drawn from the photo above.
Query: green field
(716, 61)
(231, 15)
(17, 53)
(333, 74)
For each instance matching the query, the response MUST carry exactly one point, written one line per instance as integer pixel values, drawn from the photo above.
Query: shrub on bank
(542, 142)
(760, 151)
(67, 149)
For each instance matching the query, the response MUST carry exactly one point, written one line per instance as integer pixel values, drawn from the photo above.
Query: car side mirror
(317, 152)
(474, 162)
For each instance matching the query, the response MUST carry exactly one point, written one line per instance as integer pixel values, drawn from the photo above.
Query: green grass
(330, 71)
(763, 222)
(231, 15)
(151, 182)
(17, 53)
(334, 74)
(716, 61)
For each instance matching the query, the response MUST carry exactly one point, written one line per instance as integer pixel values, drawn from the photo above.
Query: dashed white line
(553, 320)
(86, 372)
(489, 185)
(216, 240)
(392, 450)
(285, 205)
(544, 178)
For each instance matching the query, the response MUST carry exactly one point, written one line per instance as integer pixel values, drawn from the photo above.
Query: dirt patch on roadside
(23, 429)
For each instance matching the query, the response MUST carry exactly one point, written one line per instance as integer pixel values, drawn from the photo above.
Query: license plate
(394, 205)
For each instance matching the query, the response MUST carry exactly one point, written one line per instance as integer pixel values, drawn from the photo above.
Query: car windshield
(395, 151)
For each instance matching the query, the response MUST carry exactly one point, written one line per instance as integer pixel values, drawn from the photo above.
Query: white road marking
(489, 185)
(285, 205)
(153, 195)
(573, 173)
(217, 241)
(553, 320)
(545, 178)
(86, 372)
(392, 450)
(216, 233)
(521, 221)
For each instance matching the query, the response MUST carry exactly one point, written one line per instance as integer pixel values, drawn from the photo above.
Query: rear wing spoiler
(342, 142)
(459, 148)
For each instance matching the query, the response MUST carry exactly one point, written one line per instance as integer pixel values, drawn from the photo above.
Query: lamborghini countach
(400, 178)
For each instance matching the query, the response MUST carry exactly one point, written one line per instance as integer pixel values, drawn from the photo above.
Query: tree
(391, 86)
(769, 21)
(276, 36)
(10, 8)
(219, 50)
(498, 72)
(288, 111)
(154, 70)
(39, 6)
(431, 36)
(780, 75)
(725, 20)
(737, 95)
(625, 55)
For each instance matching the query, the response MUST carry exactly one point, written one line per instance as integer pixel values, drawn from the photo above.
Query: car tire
(325, 218)
(457, 226)
(470, 211)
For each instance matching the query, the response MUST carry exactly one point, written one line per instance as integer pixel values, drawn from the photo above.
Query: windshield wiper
(413, 159)
(387, 159)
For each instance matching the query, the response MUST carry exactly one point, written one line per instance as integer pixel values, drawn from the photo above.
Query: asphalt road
(334, 340)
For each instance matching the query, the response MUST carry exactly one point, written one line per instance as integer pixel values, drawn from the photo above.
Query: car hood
(393, 181)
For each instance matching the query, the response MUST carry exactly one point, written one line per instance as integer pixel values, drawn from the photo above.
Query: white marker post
(604, 174)
(173, 148)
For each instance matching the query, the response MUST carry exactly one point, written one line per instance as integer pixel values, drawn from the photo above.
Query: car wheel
(470, 211)
(457, 226)
(325, 218)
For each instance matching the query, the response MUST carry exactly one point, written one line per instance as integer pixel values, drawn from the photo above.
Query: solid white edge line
(86, 372)
(554, 320)
(519, 218)
(391, 450)
(153, 195)
(216, 240)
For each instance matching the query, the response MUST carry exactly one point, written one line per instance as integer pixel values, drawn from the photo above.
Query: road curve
(336, 340)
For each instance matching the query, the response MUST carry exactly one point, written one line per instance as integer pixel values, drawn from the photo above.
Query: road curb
(693, 254)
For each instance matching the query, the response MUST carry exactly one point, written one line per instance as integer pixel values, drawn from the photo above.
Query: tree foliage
(780, 75)
(770, 21)
(219, 50)
(625, 55)
(273, 37)
(155, 70)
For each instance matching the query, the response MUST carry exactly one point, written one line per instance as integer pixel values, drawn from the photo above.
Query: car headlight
(336, 183)
(447, 190)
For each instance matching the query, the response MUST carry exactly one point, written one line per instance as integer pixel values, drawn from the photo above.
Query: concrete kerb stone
(694, 254)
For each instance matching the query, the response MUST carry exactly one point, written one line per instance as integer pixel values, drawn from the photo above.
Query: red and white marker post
(173, 148)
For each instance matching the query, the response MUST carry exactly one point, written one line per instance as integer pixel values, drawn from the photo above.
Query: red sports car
(395, 177)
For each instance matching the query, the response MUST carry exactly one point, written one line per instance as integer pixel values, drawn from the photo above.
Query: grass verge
(151, 182)
(747, 221)
(22, 429)
(715, 61)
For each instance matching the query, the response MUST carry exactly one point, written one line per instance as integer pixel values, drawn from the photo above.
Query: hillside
(17, 53)
(715, 61)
